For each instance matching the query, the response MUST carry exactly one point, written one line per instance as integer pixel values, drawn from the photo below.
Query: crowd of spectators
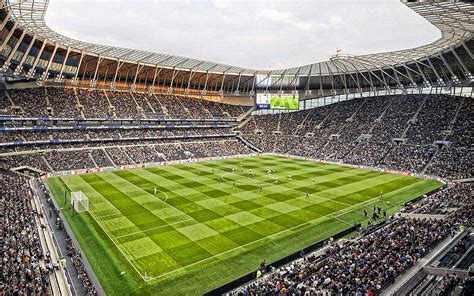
(100, 158)
(363, 131)
(395, 119)
(234, 110)
(362, 267)
(408, 158)
(69, 160)
(462, 131)
(433, 120)
(78, 264)
(31, 101)
(71, 250)
(69, 102)
(64, 103)
(25, 267)
(143, 154)
(444, 201)
(131, 132)
(94, 104)
(119, 156)
(456, 163)
(23, 160)
(370, 153)
(5, 104)
(124, 105)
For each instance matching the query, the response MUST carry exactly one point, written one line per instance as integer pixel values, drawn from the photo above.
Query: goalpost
(79, 201)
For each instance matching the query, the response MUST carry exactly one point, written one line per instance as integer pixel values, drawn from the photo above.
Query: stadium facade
(31, 50)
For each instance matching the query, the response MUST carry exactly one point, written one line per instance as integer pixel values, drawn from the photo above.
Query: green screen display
(284, 102)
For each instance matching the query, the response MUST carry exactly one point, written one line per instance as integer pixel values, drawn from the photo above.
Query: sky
(258, 34)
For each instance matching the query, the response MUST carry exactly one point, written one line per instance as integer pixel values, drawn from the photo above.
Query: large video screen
(277, 101)
(285, 102)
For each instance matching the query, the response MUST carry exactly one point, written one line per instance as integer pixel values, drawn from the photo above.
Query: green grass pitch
(284, 103)
(200, 230)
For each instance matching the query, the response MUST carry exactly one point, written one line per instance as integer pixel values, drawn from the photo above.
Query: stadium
(130, 172)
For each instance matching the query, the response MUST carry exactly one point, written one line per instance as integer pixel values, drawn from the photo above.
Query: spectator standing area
(209, 222)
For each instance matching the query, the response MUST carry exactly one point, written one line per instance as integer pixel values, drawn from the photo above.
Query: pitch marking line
(153, 228)
(344, 221)
(103, 197)
(367, 202)
(329, 199)
(141, 189)
(109, 215)
(118, 248)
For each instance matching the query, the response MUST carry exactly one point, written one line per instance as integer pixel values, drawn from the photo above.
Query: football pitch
(189, 228)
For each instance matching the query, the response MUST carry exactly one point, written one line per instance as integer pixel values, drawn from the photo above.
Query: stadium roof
(454, 19)
(32, 50)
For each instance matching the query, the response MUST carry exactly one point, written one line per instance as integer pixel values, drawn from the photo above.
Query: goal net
(79, 201)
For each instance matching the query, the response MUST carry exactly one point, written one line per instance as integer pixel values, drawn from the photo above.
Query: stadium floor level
(211, 222)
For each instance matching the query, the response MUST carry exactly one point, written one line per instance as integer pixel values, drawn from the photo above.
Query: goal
(79, 201)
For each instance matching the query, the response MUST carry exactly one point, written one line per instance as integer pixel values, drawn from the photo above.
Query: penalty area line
(108, 235)
(153, 228)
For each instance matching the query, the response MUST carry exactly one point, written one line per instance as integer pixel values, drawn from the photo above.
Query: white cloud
(335, 20)
(260, 34)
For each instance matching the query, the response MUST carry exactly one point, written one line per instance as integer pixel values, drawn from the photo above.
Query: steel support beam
(307, 90)
(32, 71)
(74, 80)
(438, 78)
(7, 63)
(188, 88)
(45, 73)
(221, 90)
(173, 76)
(6, 19)
(113, 85)
(7, 39)
(466, 72)
(427, 81)
(151, 89)
(346, 71)
(59, 78)
(237, 91)
(454, 77)
(133, 87)
(204, 90)
(381, 70)
(468, 50)
(93, 82)
(370, 76)
(19, 68)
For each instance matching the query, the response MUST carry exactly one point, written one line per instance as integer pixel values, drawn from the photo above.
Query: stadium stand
(363, 267)
(68, 102)
(332, 132)
(29, 267)
(376, 132)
